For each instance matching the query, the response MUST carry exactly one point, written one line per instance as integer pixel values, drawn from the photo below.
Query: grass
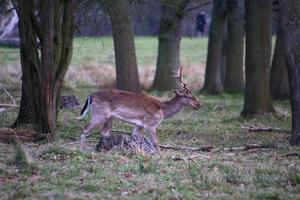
(61, 171)
(93, 62)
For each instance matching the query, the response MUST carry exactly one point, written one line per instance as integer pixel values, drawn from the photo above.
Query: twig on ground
(246, 147)
(212, 149)
(187, 157)
(205, 148)
(292, 154)
(264, 129)
(76, 142)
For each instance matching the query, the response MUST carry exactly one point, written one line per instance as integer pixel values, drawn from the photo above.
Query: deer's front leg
(137, 131)
(86, 132)
(154, 139)
(105, 131)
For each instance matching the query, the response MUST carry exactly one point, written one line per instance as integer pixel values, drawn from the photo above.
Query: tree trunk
(168, 58)
(258, 53)
(43, 73)
(234, 76)
(213, 82)
(279, 78)
(123, 35)
(290, 27)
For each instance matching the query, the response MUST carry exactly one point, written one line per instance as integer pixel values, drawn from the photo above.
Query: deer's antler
(178, 75)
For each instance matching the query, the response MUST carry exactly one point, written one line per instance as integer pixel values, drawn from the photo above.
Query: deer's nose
(198, 105)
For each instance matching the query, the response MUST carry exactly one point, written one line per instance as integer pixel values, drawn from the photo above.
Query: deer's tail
(85, 108)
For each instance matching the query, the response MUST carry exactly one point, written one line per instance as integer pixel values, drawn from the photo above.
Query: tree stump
(124, 141)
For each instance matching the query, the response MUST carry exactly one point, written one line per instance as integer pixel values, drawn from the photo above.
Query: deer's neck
(171, 107)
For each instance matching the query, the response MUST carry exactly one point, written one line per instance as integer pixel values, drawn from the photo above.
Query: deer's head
(186, 96)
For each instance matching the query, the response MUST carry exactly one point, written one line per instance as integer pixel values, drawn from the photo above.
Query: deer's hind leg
(154, 139)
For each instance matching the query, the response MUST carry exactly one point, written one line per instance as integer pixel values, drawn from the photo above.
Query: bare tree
(290, 27)
(213, 83)
(123, 36)
(279, 78)
(258, 54)
(234, 72)
(172, 13)
(46, 35)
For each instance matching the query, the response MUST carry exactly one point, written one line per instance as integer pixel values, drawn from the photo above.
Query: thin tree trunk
(279, 78)
(234, 77)
(258, 53)
(290, 27)
(42, 75)
(213, 82)
(123, 35)
(168, 58)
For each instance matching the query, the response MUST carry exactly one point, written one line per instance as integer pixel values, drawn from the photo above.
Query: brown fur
(144, 111)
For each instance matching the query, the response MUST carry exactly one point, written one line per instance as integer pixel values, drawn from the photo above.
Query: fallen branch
(292, 154)
(205, 148)
(191, 158)
(246, 147)
(264, 129)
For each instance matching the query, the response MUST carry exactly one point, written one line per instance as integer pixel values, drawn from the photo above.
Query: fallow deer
(143, 111)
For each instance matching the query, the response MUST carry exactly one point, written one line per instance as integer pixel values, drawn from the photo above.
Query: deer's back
(127, 105)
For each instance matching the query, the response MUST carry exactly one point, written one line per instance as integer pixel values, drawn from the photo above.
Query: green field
(93, 62)
(60, 171)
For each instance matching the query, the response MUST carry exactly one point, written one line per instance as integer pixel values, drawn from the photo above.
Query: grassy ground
(60, 171)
